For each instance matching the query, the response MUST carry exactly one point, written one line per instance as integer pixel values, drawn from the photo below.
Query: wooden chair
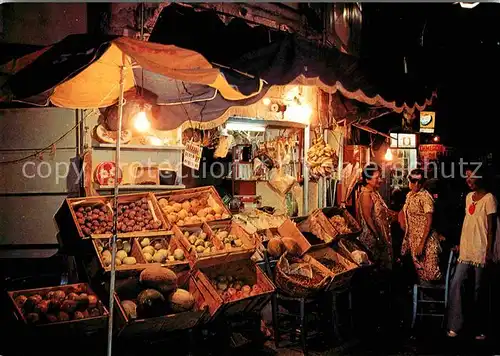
(419, 300)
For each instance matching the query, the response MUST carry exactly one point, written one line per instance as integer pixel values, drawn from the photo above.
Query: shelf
(140, 187)
(107, 146)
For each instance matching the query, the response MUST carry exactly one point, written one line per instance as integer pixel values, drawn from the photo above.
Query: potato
(180, 223)
(195, 203)
(168, 209)
(148, 257)
(177, 207)
(158, 246)
(208, 244)
(172, 218)
(222, 234)
(202, 235)
(200, 249)
(129, 261)
(192, 239)
(159, 257)
(149, 249)
(186, 206)
(121, 255)
(201, 213)
(163, 202)
(199, 242)
(145, 242)
(183, 214)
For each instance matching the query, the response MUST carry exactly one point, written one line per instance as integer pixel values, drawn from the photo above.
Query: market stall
(184, 259)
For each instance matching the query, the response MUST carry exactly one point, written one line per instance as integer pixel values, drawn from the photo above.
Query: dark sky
(461, 50)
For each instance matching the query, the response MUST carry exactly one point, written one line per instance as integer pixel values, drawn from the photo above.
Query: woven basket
(296, 287)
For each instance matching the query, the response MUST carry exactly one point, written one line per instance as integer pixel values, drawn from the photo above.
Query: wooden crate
(351, 222)
(241, 269)
(75, 203)
(199, 260)
(122, 269)
(192, 193)
(235, 253)
(168, 241)
(310, 230)
(81, 326)
(152, 327)
(290, 229)
(338, 280)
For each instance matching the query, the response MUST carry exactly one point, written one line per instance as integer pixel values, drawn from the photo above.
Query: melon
(275, 247)
(150, 304)
(130, 309)
(181, 300)
(291, 246)
(159, 278)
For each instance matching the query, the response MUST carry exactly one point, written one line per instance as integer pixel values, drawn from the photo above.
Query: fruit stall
(183, 263)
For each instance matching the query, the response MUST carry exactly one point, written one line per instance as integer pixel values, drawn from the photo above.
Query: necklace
(472, 207)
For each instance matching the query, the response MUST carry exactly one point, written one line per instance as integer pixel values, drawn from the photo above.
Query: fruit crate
(312, 230)
(180, 196)
(157, 326)
(235, 253)
(101, 244)
(170, 243)
(352, 224)
(287, 229)
(87, 325)
(199, 259)
(106, 203)
(242, 269)
(340, 278)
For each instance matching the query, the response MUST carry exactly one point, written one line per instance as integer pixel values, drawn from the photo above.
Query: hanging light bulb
(388, 154)
(141, 122)
(468, 5)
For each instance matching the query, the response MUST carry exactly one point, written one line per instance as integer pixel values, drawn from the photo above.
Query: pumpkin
(181, 300)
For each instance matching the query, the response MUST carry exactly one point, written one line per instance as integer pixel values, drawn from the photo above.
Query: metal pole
(305, 170)
(115, 212)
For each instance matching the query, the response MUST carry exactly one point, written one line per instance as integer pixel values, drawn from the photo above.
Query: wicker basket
(350, 220)
(293, 286)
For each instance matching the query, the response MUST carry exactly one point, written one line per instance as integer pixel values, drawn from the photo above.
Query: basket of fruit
(165, 250)
(301, 276)
(341, 268)
(70, 308)
(238, 243)
(239, 287)
(343, 222)
(203, 248)
(160, 301)
(128, 254)
(138, 215)
(192, 206)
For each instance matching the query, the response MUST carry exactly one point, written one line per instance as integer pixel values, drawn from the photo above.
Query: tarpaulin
(84, 72)
(281, 58)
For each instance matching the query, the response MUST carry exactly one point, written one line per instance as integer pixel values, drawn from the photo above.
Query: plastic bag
(281, 182)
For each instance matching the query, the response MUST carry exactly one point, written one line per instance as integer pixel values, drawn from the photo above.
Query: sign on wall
(403, 140)
(427, 121)
(192, 155)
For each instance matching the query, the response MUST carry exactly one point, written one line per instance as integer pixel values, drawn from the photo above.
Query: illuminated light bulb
(388, 155)
(266, 101)
(436, 139)
(299, 113)
(155, 141)
(141, 122)
(468, 5)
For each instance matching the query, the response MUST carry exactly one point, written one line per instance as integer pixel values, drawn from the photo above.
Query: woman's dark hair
(368, 172)
(481, 176)
(418, 172)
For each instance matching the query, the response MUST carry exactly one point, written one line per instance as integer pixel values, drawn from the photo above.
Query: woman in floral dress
(420, 240)
(375, 217)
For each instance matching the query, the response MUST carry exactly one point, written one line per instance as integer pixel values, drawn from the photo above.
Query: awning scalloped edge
(358, 95)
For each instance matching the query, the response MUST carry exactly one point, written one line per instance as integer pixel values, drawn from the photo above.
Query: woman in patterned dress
(375, 217)
(420, 240)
